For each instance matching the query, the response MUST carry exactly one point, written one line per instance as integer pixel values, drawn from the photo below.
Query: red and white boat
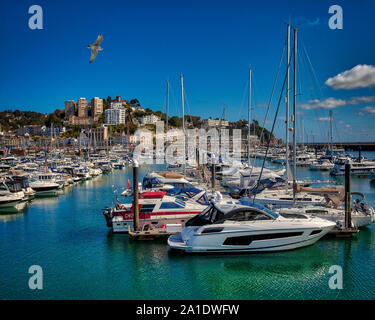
(155, 208)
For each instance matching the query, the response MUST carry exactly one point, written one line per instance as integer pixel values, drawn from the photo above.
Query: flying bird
(95, 47)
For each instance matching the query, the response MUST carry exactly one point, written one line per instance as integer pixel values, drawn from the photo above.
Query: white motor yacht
(240, 226)
(361, 216)
(164, 181)
(9, 199)
(22, 179)
(323, 164)
(284, 198)
(245, 177)
(44, 184)
(357, 168)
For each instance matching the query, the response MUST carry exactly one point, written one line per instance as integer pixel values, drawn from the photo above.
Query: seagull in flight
(95, 47)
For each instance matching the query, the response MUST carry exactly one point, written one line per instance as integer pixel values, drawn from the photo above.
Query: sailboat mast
(183, 121)
(294, 115)
(287, 105)
(331, 131)
(51, 128)
(303, 134)
(249, 121)
(166, 126)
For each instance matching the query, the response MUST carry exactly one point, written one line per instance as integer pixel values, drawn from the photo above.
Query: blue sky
(213, 43)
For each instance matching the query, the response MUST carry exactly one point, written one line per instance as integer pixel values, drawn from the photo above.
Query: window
(293, 215)
(147, 208)
(248, 216)
(315, 232)
(182, 204)
(316, 211)
(211, 230)
(298, 199)
(171, 205)
(246, 240)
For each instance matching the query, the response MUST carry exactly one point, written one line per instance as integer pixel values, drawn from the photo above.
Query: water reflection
(70, 228)
(14, 213)
(45, 202)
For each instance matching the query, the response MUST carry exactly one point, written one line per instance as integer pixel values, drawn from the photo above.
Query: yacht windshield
(182, 204)
(247, 214)
(257, 206)
(207, 216)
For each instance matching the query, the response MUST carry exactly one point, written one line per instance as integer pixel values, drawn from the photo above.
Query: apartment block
(96, 108)
(83, 107)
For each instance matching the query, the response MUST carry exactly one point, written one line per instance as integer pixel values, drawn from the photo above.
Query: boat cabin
(213, 215)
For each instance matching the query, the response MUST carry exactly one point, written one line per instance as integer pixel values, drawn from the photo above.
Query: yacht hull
(121, 225)
(45, 191)
(258, 242)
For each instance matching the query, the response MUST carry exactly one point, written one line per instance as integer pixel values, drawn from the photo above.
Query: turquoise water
(81, 259)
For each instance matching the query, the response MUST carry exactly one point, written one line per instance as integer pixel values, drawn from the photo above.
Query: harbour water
(82, 259)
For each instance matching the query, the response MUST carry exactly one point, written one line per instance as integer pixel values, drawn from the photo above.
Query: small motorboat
(155, 208)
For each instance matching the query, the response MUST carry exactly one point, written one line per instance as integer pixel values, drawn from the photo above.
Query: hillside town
(98, 123)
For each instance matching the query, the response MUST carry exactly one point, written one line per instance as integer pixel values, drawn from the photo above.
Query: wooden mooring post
(135, 193)
(213, 176)
(348, 230)
(348, 215)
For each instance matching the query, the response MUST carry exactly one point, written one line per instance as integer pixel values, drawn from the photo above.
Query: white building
(116, 105)
(115, 116)
(215, 123)
(149, 119)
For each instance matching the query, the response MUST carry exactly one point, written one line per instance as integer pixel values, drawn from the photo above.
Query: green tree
(135, 102)
(175, 121)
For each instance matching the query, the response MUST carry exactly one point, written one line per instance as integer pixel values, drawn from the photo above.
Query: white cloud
(322, 119)
(329, 103)
(369, 109)
(358, 100)
(332, 103)
(361, 76)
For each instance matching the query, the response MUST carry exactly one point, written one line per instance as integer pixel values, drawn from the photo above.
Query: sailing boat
(288, 197)
(325, 163)
(237, 176)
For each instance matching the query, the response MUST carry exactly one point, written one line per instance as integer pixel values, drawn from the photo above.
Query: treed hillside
(13, 120)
